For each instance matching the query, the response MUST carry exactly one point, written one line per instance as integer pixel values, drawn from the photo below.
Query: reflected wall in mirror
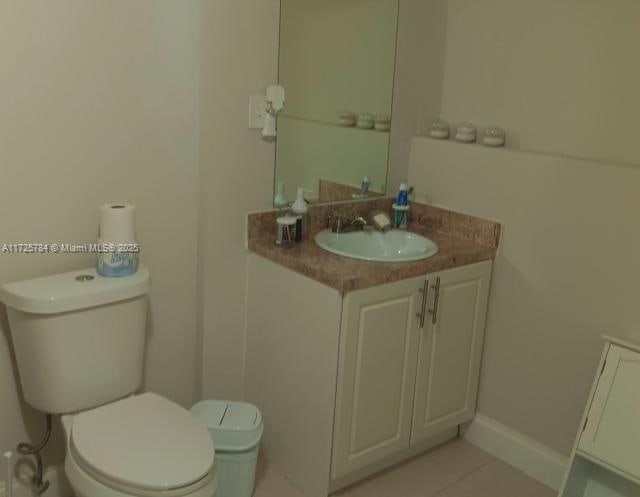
(337, 58)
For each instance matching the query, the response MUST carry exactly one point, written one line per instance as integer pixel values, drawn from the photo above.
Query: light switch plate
(257, 111)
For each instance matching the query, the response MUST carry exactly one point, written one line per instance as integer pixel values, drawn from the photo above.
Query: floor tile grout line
(484, 465)
(461, 478)
(479, 468)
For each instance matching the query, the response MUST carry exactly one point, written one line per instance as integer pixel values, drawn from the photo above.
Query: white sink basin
(370, 245)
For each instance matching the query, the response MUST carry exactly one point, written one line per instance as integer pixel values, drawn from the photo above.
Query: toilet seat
(144, 444)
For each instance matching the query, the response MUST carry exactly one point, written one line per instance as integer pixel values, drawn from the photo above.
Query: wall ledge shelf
(519, 152)
(333, 125)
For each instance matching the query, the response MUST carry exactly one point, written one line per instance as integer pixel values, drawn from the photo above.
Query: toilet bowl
(143, 445)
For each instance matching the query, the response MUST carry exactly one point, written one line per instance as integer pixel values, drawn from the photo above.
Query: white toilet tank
(78, 337)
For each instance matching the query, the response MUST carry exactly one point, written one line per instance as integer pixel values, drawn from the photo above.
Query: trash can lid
(234, 426)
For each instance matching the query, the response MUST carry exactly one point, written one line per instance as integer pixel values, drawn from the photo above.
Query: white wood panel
(612, 431)
(378, 356)
(588, 479)
(293, 328)
(451, 350)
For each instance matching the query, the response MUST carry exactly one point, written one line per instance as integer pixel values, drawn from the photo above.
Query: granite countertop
(345, 274)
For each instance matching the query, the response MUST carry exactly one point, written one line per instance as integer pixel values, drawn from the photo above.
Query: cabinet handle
(436, 301)
(421, 315)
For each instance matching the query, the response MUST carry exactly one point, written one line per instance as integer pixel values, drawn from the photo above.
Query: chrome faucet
(338, 225)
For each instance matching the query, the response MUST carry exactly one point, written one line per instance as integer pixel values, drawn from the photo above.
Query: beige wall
(566, 273)
(238, 43)
(417, 91)
(145, 102)
(561, 77)
(99, 104)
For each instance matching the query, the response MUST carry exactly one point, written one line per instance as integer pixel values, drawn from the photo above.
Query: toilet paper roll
(118, 222)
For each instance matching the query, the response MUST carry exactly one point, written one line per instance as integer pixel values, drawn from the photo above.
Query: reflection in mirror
(337, 66)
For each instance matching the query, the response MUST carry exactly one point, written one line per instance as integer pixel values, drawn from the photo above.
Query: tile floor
(457, 469)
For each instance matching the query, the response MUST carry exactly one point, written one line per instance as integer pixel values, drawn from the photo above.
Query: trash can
(235, 428)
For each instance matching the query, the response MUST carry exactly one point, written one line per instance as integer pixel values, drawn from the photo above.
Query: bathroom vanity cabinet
(606, 457)
(351, 384)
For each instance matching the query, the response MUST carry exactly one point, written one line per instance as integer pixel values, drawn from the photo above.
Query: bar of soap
(382, 221)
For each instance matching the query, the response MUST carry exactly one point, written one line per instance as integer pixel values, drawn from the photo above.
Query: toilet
(79, 341)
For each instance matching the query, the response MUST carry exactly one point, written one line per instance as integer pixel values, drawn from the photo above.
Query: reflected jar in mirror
(348, 119)
(382, 123)
(365, 121)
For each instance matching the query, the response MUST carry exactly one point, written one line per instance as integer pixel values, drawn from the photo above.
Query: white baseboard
(517, 450)
(58, 485)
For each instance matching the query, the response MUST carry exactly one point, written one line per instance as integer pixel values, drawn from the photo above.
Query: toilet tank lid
(73, 291)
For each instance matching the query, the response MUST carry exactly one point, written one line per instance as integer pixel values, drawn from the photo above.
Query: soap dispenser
(300, 209)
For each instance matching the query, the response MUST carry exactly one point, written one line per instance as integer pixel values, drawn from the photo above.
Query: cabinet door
(612, 431)
(376, 375)
(451, 349)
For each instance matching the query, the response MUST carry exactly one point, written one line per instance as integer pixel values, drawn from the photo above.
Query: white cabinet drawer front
(612, 431)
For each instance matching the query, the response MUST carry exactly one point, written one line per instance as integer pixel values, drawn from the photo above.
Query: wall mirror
(336, 63)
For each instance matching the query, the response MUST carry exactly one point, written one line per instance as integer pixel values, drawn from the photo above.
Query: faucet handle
(334, 221)
(330, 219)
(359, 219)
(358, 222)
